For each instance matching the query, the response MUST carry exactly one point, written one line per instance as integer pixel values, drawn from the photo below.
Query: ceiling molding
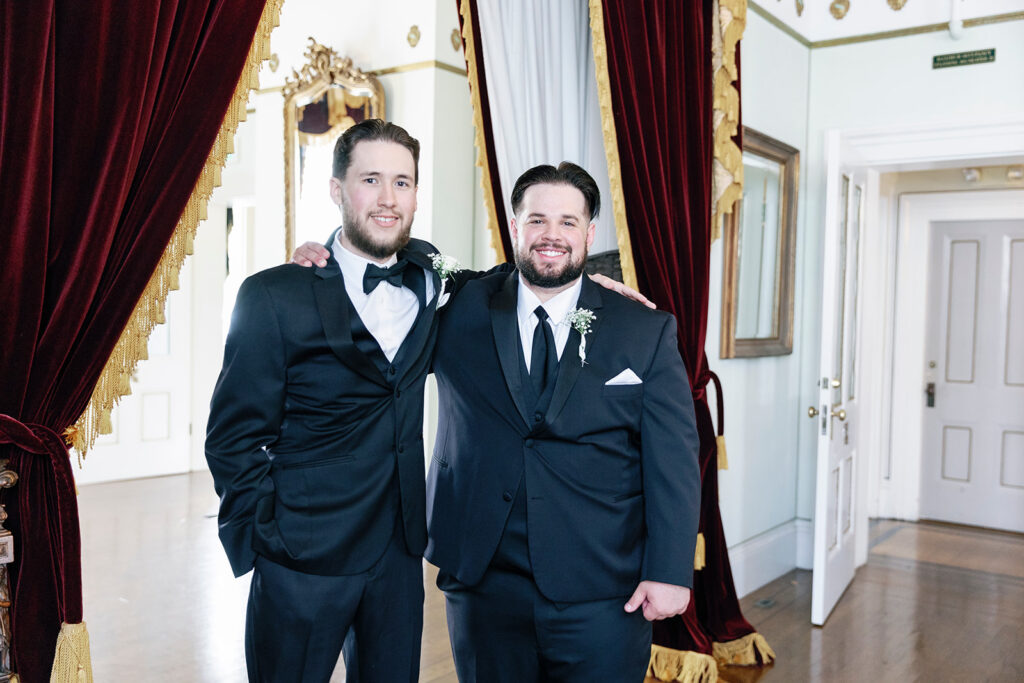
(883, 35)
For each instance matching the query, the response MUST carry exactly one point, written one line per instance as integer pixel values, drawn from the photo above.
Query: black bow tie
(374, 275)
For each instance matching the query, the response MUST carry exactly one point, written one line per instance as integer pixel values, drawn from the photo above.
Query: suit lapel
(505, 327)
(569, 366)
(332, 302)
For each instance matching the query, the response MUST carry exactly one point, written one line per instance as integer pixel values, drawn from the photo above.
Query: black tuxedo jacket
(307, 433)
(611, 471)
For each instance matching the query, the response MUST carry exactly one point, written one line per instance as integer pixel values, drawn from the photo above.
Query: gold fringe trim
(750, 650)
(727, 171)
(114, 381)
(611, 143)
(681, 665)
(700, 553)
(72, 662)
(723, 457)
(478, 125)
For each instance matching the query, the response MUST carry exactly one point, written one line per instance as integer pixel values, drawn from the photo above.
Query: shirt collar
(353, 266)
(557, 307)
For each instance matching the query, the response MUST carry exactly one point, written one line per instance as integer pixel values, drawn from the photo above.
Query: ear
(514, 231)
(336, 193)
(591, 232)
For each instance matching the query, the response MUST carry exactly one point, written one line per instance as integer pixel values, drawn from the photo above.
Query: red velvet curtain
(109, 110)
(488, 132)
(659, 64)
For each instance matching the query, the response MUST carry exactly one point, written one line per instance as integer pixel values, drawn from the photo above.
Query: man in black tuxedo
(562, 498)
(315, 433)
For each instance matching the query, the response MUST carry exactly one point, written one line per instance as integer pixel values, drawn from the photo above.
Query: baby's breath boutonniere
(580, 319)
(445, 267)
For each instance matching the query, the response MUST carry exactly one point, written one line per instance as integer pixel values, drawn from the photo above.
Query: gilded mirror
(759, 252)
(321, 101)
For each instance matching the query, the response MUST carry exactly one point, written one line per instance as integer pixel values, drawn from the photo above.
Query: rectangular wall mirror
(759, 251)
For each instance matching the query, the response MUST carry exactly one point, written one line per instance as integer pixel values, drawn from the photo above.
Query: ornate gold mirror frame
(768, 215)
(321, 101)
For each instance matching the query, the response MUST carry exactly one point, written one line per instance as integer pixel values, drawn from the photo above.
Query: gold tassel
(72, 662)
(681, 665)
(699, 559)
(723, 459)
(750, 650)
(479, 138)
(105, 425)
(611, 144)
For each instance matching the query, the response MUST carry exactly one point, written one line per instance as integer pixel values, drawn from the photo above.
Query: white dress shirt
(388, 312)
(557, 307)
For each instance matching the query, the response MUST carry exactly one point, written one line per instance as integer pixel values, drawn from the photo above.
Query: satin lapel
(422, 260)
(569, 366)
(332, 302)
(505, 327)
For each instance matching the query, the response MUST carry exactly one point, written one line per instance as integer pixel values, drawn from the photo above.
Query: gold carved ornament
(839, 8)
(730, 20)
(345, 86)
(897, 5)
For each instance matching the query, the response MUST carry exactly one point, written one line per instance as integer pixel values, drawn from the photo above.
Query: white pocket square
(627, 376)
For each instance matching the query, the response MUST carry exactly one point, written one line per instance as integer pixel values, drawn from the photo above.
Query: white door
(972, 465)
(836, 410)
(151, 425)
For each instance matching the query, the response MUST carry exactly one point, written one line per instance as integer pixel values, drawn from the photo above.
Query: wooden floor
(934, 602)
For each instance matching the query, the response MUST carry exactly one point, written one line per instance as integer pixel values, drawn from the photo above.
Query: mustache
(550, 245)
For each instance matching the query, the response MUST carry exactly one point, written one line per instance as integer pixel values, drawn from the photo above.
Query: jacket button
(537, 417)
(507, 497)
(392, 370)
(401, 448)
(398, 393)
(528, 443)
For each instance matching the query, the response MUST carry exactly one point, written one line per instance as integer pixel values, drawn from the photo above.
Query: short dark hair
(567, 173)
(373, 130)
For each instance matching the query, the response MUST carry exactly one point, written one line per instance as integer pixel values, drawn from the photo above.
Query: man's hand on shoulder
(611, 284)
(309, 253)
(659, 600)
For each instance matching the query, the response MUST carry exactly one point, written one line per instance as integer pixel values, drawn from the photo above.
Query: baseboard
(764, 558)
(804, 543)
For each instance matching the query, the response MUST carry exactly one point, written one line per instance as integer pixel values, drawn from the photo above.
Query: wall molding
(882, 35)
(767, 556)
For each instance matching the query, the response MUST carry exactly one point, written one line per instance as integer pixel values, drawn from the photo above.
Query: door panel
(972, 458)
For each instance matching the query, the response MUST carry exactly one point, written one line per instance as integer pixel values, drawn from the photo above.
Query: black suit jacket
(307, 435)
(611, 471)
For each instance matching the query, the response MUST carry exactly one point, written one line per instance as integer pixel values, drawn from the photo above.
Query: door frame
(876, 151)
(900, 494)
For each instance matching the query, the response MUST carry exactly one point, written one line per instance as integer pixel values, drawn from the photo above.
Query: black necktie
(544, 358)
(374, 275)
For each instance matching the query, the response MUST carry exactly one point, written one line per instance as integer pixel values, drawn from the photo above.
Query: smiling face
(377, 197)
(551, 234)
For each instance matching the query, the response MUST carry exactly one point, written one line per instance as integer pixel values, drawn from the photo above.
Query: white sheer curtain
(543, 94)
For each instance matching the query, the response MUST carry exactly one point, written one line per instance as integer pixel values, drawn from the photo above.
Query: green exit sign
(964, 58)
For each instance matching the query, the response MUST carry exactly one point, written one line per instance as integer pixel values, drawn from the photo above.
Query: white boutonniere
(445, 267)
(580, 319)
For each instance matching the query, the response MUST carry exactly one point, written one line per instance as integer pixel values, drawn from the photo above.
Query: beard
(358, 234)
(549, 276)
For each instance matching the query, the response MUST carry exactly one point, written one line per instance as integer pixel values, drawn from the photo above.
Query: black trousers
(296, 623)
(503, 630)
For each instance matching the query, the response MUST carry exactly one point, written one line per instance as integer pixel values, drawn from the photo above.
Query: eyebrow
(544, 215)
(368, 174)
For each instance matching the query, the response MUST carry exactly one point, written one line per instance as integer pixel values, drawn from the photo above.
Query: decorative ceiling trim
(883, 35)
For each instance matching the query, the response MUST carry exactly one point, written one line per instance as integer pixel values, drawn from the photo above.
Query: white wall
(762, 398)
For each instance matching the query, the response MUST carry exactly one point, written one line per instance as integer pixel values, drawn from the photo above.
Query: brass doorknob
(836, 384)
(812, 412)
(841, 414)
